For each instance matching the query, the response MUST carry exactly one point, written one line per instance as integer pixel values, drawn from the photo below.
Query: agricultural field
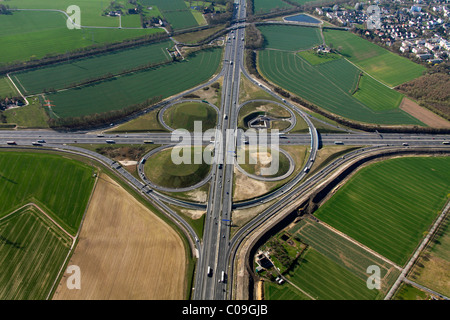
(91, 10)
(324, 279)
(290, 38)
(29, 35)
(126, 251)
(59, 185)
(315, 58)
(42, 200)
(285, 292)
(162, 171)
(183, 115)
(32, 250)
(388, 206)
(336, 81)
(62, 75)
(164, 81)
(345, 253)
(180, 19)
(385, 66)
(376, 96)
(7, 88)
(176, 12)
(265, 6)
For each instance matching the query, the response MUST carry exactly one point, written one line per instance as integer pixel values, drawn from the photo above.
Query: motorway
(27, 137)
(217, 249)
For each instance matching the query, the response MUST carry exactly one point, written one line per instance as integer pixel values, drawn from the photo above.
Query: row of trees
(100, 119)
(223, 17)
(254, 39)
(4, 9)
(432, 91)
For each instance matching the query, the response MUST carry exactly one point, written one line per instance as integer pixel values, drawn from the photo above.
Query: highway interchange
(217, 249)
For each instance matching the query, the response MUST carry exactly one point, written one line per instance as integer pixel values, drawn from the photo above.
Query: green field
(161, 170)
(389, 205)
(29, 35)
(265, 6)
(7, 88)
(91, 10)
(65, 74)
(30, 116)
(315, 58)
(324, 279)
(330, 85)
(290, 38)
(60, 186)
(408, 292)
(286, 291)
(32, 251)
(130, 89)
(176, 12)
(382, 64)
(346, 254)
(183, 116)
(180, 19)
(333, 83)
(376, 96)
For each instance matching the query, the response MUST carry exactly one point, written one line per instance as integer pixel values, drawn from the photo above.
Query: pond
(302, 18)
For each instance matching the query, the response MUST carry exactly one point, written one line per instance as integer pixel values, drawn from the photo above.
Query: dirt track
(125, 251)
(426, 116)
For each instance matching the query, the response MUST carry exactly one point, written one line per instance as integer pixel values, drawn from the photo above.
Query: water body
(302, 18)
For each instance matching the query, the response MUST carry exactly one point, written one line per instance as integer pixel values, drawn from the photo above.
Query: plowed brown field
(125, 251)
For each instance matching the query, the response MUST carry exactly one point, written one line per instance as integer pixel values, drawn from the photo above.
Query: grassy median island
(162, 171)
(183, 116)
(279, 116)
(256, 161)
